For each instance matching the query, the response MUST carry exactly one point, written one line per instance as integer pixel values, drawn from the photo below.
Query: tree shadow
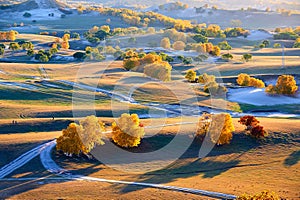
(292, 159)
(27, 126)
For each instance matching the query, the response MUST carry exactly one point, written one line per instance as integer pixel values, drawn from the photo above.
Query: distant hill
(33, 4)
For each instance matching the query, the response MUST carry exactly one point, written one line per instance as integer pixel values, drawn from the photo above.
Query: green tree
(227, 56)
(200, 38)
(30, 52)
(246, 57)
(14, 46)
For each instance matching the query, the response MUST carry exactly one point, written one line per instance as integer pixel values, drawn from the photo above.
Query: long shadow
(292, 159)
(25, 127)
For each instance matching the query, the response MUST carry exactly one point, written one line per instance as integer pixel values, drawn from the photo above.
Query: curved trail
(52, 167)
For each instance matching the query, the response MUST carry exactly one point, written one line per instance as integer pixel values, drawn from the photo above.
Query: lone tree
(218, 126)
(246, 57)
(127, 131)
(191, 75)
(165, 43)
(252, 126)
(286, 85)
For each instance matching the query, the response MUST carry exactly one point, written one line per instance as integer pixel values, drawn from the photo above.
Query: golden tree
(178, 45)
(82, 138)
(70, 141)
(127, 131)
(246, 80)
(165, 43)
(161, 71)
(218, 126)
(205, 78)
(191, 75)
(286, 84)
(92, 130)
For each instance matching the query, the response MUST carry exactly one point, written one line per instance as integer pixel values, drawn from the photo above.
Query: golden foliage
(82, 138)
(218, 126)
(178, 45)
(9, 35)
(286, 84)
(127, 131)
(161, 71)
(246, 80)
(190, 75)
(165, 43)
(205, 78)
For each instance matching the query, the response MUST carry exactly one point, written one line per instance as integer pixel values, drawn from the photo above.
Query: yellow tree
(286, 84)
(105, 28)
(161, 71)
(91, 134)
(218, 126)
(178, 45)
(82, 138)
(127, 131)
(165, 43)
(70, 141)
(190, 75)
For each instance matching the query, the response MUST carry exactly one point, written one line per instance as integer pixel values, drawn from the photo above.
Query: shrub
(276, 45)
(246, 80)
(205, 78)
(286, 85)
(218, 126)
(252, 126)
(227, 56)
(224, 45)
(190, 75)
(26, 14)
(79, 55)
(265, 195)
(127, 131)
(214, 88)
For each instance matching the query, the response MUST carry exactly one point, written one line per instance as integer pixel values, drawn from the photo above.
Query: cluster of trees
(252, 126)
(81, 138)
(246, 80)
(145, 18)
(219, 128)
(42, 55)
(235, 32)
(263, 44)
(9, 35)
(97, 34)
(127, 131)
(173, 6)
(209, 81)
(62, 42)
(287, 33)
(214, 30)
(286, 85)
(153, 65)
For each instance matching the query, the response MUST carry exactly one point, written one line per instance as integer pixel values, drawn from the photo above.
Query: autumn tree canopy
(127, 131)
